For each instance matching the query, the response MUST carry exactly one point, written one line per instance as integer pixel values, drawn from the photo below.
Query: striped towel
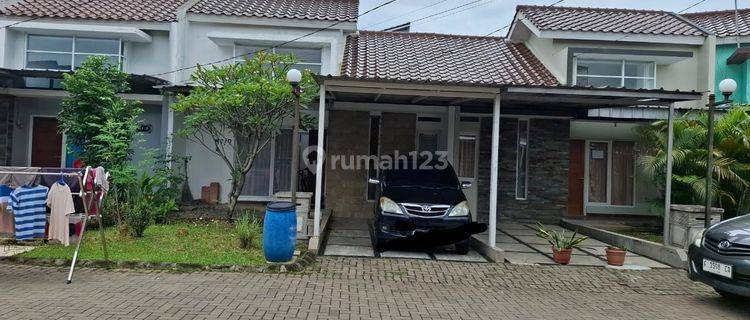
(28, 204)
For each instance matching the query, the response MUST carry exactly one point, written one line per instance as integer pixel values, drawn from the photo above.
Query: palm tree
(731, 152)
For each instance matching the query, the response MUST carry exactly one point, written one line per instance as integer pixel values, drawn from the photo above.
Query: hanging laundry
(28, 205)
(60, 202)
(20, 179)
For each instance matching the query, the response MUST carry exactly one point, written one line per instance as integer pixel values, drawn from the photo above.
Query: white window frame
(273, 50)
(518, 155)
(73, 53)
(621, 75)
(609, 175)
(271, 172)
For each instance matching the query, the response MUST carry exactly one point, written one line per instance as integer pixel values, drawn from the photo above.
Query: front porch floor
(352, 238)
(522, 246)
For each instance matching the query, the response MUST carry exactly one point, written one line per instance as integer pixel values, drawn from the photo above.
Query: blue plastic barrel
(279, 231)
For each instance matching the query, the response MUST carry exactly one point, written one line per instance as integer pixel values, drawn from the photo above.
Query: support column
(320, 159)
(452, 134)
(494, 170)
(668, 176)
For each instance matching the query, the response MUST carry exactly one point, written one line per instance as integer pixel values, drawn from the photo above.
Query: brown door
(46, 143)
(575, 177)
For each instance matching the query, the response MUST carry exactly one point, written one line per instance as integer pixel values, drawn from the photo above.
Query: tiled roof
(443, 59)
(132, 10)
(166, 10)
(609, 20)
(334, 10)
(721, 23)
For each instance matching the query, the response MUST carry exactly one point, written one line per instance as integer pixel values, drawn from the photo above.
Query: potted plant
(562, 246)
(616, 255)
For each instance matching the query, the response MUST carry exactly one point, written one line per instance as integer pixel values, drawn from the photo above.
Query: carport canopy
(552, 100)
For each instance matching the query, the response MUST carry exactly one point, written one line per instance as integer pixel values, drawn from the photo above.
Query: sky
(480, 17)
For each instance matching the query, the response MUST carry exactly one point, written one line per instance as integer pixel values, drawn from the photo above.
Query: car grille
(426, 210)
(733, 250)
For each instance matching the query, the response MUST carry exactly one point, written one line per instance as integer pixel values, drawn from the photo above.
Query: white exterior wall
(687, 74)
(193, 39)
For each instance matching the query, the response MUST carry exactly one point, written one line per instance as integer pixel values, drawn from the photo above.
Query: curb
(300, 263)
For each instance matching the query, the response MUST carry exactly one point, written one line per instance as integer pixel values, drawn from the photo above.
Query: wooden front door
(46, 143)
(576, 177)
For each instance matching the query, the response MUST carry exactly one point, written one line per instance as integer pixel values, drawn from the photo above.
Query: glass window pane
(467, 146)
(623, 172)
(522, 149)
(247, 50)
(283, 162)
(88, 45)
(45, 83)
(80, 58)
(599, 82)
(639, 69)
(259, 177)
(598, 156)
(599, 67)
(48, 61)
(48, 43)
(639, 83)
(313, 68)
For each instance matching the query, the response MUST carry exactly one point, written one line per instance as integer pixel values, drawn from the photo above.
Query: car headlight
(460, 210)
(388, 205)
(698, 242)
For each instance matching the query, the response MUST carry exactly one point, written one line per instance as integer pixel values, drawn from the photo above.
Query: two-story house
(158, 43)
(732, 31)
(633, 49)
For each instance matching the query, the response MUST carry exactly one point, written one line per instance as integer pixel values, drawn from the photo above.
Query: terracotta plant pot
(561, 256)
(615, 256)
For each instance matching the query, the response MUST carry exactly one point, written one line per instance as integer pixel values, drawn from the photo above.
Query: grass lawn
(205, 244)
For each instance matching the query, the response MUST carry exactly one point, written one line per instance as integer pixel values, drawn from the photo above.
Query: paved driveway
(364, 288)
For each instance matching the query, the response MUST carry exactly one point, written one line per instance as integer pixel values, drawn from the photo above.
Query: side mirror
(373, 181)
(465, 184)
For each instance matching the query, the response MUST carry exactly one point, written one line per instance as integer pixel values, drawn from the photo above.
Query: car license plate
(717, 268)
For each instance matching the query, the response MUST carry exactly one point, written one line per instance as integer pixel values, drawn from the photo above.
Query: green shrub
(249, 231)
(138, 218)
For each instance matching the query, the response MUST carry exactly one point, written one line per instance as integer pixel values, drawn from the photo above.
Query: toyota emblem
(426, 208)
(724, 244)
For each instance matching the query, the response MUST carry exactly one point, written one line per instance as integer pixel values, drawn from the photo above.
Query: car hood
(424, 195)
(735, 230)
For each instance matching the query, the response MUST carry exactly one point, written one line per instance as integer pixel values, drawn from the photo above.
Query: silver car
(721, 257)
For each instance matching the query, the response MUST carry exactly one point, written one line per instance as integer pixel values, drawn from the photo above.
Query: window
(522, 160)
(308, 58)
(611, 172)
(467, 148)
(615, 73)
(67, 53)
(271, 171)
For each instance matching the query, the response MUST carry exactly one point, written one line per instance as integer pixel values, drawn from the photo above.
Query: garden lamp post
(294, 77)
(727, 87)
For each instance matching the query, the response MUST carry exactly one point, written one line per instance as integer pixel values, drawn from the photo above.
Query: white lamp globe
(727, 86)
(294, 76)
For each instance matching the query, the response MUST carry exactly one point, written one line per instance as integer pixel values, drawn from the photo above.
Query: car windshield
(431, 177)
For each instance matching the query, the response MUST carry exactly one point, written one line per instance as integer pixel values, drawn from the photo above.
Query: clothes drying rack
(89, 198)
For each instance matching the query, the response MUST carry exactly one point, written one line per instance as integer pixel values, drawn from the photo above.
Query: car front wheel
(463, 246)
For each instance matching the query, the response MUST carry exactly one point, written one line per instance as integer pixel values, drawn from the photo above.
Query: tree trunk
(238, 182)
